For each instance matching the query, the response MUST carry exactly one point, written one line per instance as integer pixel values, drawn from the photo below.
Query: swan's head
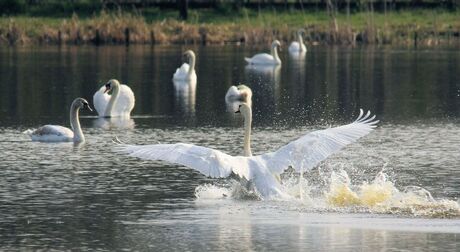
(276, 43)
(189, 54)
(111, 84)
(81, 104)
(245, 94)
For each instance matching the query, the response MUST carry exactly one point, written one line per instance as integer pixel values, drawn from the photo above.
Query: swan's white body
(298, 46)
(186, 72)
(262, 170)
(57, 133)
(119, 104)
(265, 58)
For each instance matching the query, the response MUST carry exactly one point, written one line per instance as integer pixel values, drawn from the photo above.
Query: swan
(186, 72)
(240, 93)
(56, 133)
(265, 58)
(298, 46)
(118, 104)
(261, 170)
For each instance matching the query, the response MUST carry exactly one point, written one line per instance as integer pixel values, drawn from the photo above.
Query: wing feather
(212, 163)
(309, 150)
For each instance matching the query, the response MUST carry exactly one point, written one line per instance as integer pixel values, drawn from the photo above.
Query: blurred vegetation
(103, 22)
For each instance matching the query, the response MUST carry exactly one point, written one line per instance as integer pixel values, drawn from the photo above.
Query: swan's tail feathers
(366, 119)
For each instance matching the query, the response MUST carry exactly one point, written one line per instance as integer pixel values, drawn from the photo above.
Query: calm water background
(61, 196)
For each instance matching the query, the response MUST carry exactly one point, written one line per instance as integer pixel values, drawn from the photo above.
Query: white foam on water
(341, 194)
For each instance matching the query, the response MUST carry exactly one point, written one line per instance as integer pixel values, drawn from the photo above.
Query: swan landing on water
(262, 170)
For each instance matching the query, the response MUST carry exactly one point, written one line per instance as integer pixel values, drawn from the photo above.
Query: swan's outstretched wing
(307, 151)
(209, 162)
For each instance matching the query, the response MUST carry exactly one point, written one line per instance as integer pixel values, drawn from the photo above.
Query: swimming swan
(298, 46)
(265, 58)
(186, 72)
(118, 104)
(262, 170)
(56, 133)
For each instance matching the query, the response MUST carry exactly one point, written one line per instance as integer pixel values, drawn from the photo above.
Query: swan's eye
(107, 85)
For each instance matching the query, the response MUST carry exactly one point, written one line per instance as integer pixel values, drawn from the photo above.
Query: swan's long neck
(113, 99)
(274, 52)
(299, 37)
(247, 132)
(75, 124)
(191, 66)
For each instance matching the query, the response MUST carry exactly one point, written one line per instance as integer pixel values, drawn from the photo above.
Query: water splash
(232, 190)
(340, 194)
(382, 196)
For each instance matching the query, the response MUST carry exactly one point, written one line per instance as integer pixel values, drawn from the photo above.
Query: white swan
(186, 72)
(118, 104)
(298, 46)
(240, 93)
(265, 58)
(262, 170)
(56, 133)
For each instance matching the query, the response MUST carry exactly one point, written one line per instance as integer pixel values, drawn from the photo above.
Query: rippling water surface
(395, 189)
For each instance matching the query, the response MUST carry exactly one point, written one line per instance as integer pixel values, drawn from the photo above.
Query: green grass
(275, 19)
(214, 21)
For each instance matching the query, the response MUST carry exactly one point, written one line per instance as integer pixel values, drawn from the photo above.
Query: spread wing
(307, 151)
(210, 162)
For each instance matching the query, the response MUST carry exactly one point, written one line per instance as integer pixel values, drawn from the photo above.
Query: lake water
(396, 189)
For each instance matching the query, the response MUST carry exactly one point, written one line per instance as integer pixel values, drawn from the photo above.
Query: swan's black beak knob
(107, 88)
(86, 106)
(238, 111)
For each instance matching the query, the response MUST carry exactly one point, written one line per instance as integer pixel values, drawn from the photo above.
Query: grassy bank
(427, 27)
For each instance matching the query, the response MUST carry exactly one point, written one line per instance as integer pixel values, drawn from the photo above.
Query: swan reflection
(114, 123)
(185, 94)
(297, 58)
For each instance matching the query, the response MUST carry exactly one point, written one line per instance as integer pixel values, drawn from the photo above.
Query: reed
(422, 27)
